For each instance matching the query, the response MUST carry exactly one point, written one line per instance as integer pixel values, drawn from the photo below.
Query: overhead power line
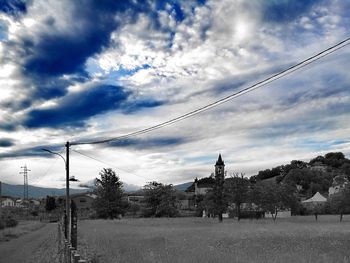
(93, 158)
(216, 103)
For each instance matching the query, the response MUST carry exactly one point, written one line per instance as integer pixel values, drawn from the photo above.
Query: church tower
(220, 168)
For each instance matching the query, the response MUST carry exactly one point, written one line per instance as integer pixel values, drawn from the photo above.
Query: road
(34, 247)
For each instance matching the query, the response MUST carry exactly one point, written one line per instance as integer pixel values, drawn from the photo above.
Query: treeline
(159, 199)
(301, 173)
(271, 190)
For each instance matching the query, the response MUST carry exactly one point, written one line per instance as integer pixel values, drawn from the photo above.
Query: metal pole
(67, 192)
(0, 200)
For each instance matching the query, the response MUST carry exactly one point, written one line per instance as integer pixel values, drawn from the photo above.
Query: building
(136, 197)
(202, 186)
(84, 203)
(7, 201)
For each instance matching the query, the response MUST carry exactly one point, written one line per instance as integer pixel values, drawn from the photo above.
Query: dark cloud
(333, 85)
(6, 142)
(135, 106)
(3, 29)
(148, 143)
(73, 110)
(8, 126)
(53, 59)
(284, 129)
(13, 7)
(286, 10)
(57, 53)
(36, 151)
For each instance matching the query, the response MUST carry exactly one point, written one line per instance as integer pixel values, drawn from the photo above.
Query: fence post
(74, 225)
(71, 253)
(66, 251)
(76, 258)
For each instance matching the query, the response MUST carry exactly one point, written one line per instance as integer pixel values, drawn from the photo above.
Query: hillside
(39, 192)
(34, 191)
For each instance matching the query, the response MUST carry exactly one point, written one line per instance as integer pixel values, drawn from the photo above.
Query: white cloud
(220, 43)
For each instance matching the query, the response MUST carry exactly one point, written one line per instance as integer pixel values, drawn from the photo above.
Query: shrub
(2, 224)
(11, 222)
(34, 213)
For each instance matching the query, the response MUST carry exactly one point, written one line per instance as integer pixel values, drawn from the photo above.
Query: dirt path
(33, 247)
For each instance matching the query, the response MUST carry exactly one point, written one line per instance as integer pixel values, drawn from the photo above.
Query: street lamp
(66, 162)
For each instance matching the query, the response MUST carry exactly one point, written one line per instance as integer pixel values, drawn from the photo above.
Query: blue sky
(85, 70)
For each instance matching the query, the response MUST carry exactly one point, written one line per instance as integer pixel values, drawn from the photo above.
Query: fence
(67, 253)
(67, 250)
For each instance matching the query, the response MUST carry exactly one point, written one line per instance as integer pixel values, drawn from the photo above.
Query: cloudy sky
(87, 70)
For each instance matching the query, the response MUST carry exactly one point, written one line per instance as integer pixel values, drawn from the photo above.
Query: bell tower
(220, 168)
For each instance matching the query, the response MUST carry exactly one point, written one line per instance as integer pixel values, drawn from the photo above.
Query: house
(83, 201)
(136, 197)
(20, 203)
(317, 201)
(202, 186)
(286, 213)
(7, 201)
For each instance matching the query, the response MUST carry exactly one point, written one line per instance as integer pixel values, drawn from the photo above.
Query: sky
(90, 70)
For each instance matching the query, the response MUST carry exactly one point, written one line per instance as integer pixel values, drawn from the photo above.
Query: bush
(11, 222)
(2, 224)
(34, 213)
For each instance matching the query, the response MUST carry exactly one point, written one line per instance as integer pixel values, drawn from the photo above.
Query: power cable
(52, 164)
(93, 158)
(216, 103)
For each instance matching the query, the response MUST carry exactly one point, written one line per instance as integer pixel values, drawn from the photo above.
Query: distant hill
(39, 192)
(35, 192)
(183, 187)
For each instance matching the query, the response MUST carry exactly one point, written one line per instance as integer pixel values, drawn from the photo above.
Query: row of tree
(261, 196)
(159, 199)
(272, 195)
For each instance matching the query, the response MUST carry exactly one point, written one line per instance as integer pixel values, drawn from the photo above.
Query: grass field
(297, 239)
(22, 228)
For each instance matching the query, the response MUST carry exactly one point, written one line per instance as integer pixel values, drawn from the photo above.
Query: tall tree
(50, 203)
(160, 200)
(272, 197)
(109, 203)
(236, 191)
(340, 202)
(217, 197)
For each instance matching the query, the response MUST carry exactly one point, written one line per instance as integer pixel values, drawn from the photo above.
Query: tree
(335, 159)
(272, 197)
(311, 181)
(340, 202)
(160, 200)
(236, 191)
(50, 203)
(109, 203)
(216, 196)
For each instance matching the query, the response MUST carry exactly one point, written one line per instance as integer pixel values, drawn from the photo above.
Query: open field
(33, 244)
(22, 228)
(297, 239)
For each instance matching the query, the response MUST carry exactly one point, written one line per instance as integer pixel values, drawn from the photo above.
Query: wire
(253, 87)
(51, 166)
(93, 158)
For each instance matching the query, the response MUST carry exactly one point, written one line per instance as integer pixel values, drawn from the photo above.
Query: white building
(7, 201)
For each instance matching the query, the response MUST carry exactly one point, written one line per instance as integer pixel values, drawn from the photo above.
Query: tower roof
(219, 161)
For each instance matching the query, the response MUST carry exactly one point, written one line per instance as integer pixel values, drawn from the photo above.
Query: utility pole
(25, 184)
(67, 193)
(0, 200)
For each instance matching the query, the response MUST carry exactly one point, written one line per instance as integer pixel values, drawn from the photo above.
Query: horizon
(67, 78)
